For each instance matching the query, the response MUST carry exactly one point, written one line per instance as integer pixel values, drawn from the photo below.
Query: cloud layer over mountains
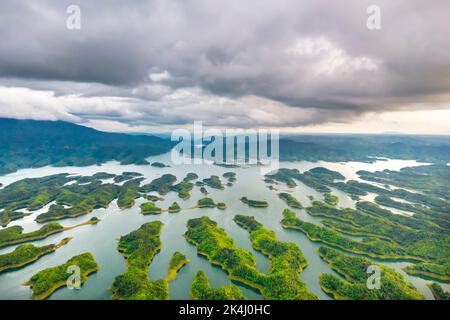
(284, 63)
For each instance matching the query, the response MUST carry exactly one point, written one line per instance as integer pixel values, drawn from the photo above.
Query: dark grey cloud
(315, 56)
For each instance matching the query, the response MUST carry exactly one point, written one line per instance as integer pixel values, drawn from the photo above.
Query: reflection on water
(101, 239)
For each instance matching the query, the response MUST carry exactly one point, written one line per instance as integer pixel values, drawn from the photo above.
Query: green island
(27, 253)
(177, 262)
(438, 271)
(47, 281)
(393, 286)
(386, 237)
(14, 235)
(139, 248)
(290, 200)
(330, 199)
(191, 176)
(174, 207)
(204, 191)
(183, 189)
(201, 289)
(255, 203)
(438, 292)
(221, 206)
(150, 208)
(126, 176)
(158, 165)
(213, 182)
(283, 281)
(206, 203)
(162, 185)
(230, 176)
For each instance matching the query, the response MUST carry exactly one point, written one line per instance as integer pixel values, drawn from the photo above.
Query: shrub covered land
(26, 254)
(139, 248)
(201, 289)
(393, 286)
(283, 281)
(255, 203)
(47, 281)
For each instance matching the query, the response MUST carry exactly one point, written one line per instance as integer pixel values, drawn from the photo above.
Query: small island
(221, 206)
(201, 289)
(206, 203)
(139, 248)
(175, 207)
(330, 199)
(15, 235)
(290, 200)
(150, 208)
(255, 203)
(158, 165)
(47, 281)
(26, 254)
(393, 285)
(204, 191)
(213, 182)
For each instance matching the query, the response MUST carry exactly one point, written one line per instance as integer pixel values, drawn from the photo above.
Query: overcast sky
(305, 66)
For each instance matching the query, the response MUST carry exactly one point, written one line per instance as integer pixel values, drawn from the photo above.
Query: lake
(101, 239)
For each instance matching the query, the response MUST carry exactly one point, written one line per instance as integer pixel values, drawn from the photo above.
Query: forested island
(26, 254)
(290, 200)
(255, 203)
(139, 248)
(47, 281)
(393, 286)
(201, 289)
(283, 281)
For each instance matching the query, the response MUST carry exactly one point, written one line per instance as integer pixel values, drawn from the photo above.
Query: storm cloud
(284, 63)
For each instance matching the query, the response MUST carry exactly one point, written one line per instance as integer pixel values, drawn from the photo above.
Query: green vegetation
(283, 281)
(393, 286)
(221, 206)
(290, 200)
(230, 176)
(158, 165)
(47, 281)
(28, 143)
(386, 238)
(14, 235)
(201, 290)
(175, 207)
(203, 190)
(438, 292)
(177, 262)
(213, 182)
(26, 254)
(161, 185)
(129, 193)
(150, 208)
(139, 248)
(255, 203)
(191, 176)
(206, 203)
(282, 175)
(183, 188)
(330, 199)
(431, 270)
(126, 176)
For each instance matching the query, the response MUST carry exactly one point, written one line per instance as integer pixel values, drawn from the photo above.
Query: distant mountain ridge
(31, 143)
